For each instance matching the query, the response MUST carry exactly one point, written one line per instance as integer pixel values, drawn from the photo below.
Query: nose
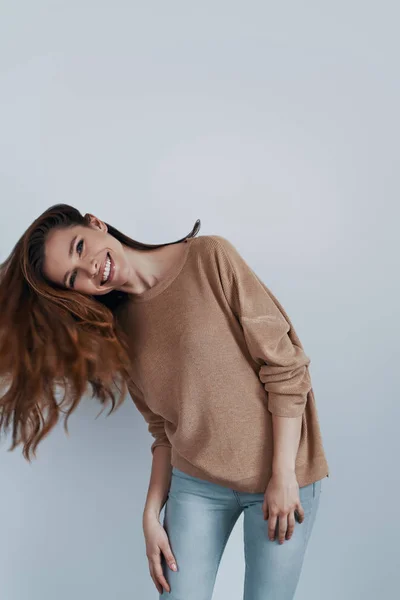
(94, 266)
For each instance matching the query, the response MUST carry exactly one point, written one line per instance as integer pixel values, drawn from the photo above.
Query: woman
(212, 362)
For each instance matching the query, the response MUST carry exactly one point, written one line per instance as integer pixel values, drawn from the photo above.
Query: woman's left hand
(281, 499)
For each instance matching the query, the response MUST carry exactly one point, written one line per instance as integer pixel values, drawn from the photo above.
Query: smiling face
(75, 257)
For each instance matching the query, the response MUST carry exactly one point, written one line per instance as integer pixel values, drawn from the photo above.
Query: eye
(73, 276)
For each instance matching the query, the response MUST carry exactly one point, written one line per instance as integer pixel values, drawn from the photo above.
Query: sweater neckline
(168, 278)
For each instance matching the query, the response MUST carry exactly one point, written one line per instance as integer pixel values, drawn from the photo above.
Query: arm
(286, 433)
(281, 496)
(283, 370)
(156, 538)
(160, 480)
(161, 469)
(269, 334)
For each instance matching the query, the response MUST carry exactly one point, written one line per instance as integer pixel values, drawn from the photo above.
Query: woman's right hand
(157, 542)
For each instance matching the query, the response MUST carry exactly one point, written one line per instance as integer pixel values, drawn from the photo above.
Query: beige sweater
(214, 355)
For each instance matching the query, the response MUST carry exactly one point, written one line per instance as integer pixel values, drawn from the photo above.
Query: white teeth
(107, 270)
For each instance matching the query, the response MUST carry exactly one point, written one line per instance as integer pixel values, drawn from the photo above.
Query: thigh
(199, 517)
(272, 570)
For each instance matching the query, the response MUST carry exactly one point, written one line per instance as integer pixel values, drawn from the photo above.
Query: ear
(95, 222)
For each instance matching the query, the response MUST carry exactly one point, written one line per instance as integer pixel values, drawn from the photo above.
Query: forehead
(57, 260)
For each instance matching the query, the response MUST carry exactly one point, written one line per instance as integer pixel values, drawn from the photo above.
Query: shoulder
(217, 250)
(213, 242)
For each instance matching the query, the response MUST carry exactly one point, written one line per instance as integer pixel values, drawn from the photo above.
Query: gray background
(276, 124)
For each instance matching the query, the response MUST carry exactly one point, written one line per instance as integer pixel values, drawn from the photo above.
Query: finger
(291, 524)
(169, 557)
(271, 526)
(158, 572)
(300, 511)
(264, 508)
(283, 524)
(158, 585)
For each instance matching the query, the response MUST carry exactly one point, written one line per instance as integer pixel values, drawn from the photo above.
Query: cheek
(84, 284)
(120, 262)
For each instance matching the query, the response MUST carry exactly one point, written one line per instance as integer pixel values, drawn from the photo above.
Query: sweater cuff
(282, 405)
(160, 443)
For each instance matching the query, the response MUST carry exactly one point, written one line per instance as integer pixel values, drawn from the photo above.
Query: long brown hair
(51, 336)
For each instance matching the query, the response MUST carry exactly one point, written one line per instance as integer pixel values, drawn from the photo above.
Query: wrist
(150, 514)
(283, 469)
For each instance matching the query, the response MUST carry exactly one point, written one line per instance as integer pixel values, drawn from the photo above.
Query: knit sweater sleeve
(269, 334)
(155, 422)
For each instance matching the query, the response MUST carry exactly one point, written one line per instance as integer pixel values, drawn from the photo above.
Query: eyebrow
(71, 249)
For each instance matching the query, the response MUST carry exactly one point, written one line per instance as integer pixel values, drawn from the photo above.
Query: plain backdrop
(277, 125)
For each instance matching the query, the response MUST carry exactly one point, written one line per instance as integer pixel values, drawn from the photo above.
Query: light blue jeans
(199, 517)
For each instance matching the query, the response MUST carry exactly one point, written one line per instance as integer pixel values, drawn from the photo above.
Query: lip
(112, 269)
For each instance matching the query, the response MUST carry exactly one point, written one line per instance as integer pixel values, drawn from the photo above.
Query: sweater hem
(256, 483)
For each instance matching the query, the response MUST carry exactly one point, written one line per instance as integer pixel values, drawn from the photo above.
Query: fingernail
(173, 566)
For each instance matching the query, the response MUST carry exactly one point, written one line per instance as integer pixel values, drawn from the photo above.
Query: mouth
(107, 268)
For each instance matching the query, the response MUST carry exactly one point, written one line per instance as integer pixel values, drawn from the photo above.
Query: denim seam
(237, 498)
